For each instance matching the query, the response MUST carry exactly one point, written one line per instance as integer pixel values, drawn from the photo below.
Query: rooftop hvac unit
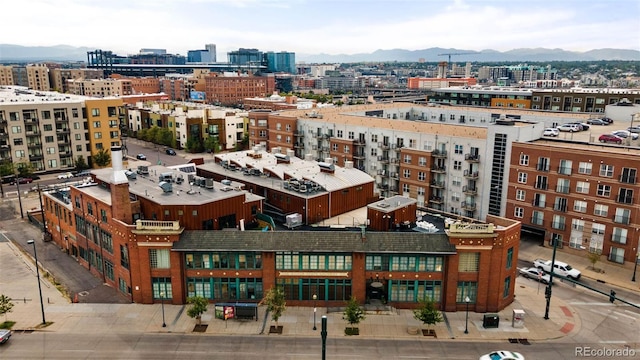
(209, 183)
(167, 187)
(179, 179)
(191, 178)
(200, 181)
(226, 182)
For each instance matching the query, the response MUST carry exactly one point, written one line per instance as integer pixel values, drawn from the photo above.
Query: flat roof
(579, 145)
(18, 95)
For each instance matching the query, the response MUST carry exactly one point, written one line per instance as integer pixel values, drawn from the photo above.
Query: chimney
(117, 176)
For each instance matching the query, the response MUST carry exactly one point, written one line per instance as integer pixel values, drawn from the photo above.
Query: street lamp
(466, 320)
(635, 266)
(162, 302)
(35, 255)
(315, 297)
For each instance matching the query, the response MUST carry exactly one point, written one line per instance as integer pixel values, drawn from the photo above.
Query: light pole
(35, 255)
(315, 297)
(635, 266)
(466, 319)
(162, 302)
(323, 334)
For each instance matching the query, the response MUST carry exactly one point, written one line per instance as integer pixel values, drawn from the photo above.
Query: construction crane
(455, 54)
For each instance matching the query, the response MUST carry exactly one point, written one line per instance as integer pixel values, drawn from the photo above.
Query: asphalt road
(39, 345)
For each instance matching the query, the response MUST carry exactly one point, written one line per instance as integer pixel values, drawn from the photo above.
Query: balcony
(394, 160)
(299, 134)
(359, 156)
(383, 186)
(621, 219)
(470, 190)
(383, 146)
(471, 174)
(627, 179)
(437, 184)
(394, 175)
(298, 146)
(472, 158)
(60, 120)
(30, 121)
(439, 154)
(383, 159)
(436, 200)
(624, 199)
(4, 135)
(63, 131)
(359, 142)
(34, 145)
(560, 207)
(541, 185)
(468, 206)
(439, 169)
(36, 157)
(158, 227)
(318, 136)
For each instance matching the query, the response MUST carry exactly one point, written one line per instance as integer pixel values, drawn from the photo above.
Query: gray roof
(315, 241)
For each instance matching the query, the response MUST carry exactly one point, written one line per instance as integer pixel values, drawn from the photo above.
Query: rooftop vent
(167, 187)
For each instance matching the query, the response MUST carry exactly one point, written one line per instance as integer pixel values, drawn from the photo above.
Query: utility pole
(547, 292)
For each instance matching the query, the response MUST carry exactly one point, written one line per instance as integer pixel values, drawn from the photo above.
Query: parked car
(634, 129)
(560, 268)
(170, 152)
(535, 274)
(610, 138)
(579, 125)
(551, 132)
(502, 355)
(608, 120)
(82, 173)
(569, 127)
(597, 122)
(22, 180)
(141, 157)
(4, 335)
(585, 126)
(625, 134)
(65, 176)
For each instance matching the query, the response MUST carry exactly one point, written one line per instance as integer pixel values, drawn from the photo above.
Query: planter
(352, 331)
(275, 329)
(429, 332)
(200, 328)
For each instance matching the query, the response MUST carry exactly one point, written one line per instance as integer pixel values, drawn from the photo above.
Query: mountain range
(17, 53)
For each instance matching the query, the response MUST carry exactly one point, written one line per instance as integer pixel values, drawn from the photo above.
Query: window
(422, 175)
(628, 176)
(509, 257)
(625, 196)
(562, 186)
(159, 258)
(466, 289)
(577, 224)
(582, 187)
(543, 164)
(522, 178)
(457, 165)
(580, 206)
(600, 210)
(565, 167)
(16, 129)
(458, 149)
(560, 204)
(539, 200)
(420, 190)
(407, 159)
(616, 255)
(51, 150)
(47, 127)
(507, 287)
(161, 288)
(455, 197)
(606, 170)
(537, 217)
(520, 194)
(619, 235)
(95, 112)
(541, 182)
(558, 222)
(405, 188)
(598, 229)
(604, 190)
(584, 168)
(622, 216)
(97, 135)
(406, 173)
(524, 160)
(456, 181)
(422, 161)
(518, 212)
(468, 262)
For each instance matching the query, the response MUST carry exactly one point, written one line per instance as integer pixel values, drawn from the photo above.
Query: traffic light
(612, 296)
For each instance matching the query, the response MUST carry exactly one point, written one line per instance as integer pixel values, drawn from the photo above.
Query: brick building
(232, 90)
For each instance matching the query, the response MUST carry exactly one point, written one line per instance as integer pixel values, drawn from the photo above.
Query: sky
(322, 26)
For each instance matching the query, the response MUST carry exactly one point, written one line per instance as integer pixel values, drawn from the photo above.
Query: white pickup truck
(4, 335)
(560, 268)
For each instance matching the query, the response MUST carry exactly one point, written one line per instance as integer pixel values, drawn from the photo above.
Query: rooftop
(591, 147)
(17, 95)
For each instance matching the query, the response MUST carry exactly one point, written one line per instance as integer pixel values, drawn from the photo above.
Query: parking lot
(593, 133)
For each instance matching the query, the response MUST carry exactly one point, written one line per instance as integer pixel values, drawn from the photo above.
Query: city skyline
(331, 27)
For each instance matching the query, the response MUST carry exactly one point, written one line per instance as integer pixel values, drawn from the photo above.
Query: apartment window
(351, 135)
(455, 197)
(52, 163)
(347, 149)
(625, 196)
(95, 112)
(539, 200)
(537, 217)
(565, 167)
(604, 190)
(422, 176)
(541, 182)
(16, 129)
(582, 187)
(524, 160)
(619, 235)
(420, 190)
(466, 289)
(405, 188)
(457, 165)
(374, 138)
(520, 194)
(507, 287)
(584, 168)
(456, 181)
(374, 152)
(601, 210)
(598, 229)
(558, 222)
(562, 186)
(606, 170)
(543, 164)
(518, 212)
(458, 149)
(47, 127)
(339, 132)
(580, 206)
(560, 204)
(407, 159)
(622, 216)
(617, 255)
(522, 178)
(628, 176)
(51, 150)
(468, 261)
(422, 161)
(577, 224)
(159, 258)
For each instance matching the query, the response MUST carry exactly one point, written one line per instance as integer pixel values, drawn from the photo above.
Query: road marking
(625, 315)
(613, 342)
(591, 303)
(632, 313)
(607, 315)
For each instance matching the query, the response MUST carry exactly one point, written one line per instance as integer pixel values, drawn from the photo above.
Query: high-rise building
(280, 61)
(244, 56)
(212, 52)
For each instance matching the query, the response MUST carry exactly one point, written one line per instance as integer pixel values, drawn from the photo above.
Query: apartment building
(38, 77)
(100, 87)
(494, 96)
(161, 241)
(6, 75)
(59, 77)
(103, 119)
(232, 90)
(449, 158)
(583, 197)
(45, 129)
(589, 100)
(421, 83)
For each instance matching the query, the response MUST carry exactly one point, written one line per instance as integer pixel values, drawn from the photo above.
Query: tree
(212, 143)
(102, 158)
(353, 313)
(25, 169)
(276, 303)
(193, 145)
(80, 163)
(198, 307)
(594, 257)
(6, 305)
(427, 312)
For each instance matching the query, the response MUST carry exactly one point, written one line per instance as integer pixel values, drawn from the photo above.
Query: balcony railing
(438, 184)
(468, 206)
(564, 170)
(439, 153)
(625, 199)
(472, 157)
(627, 179)
(439, 169)
(436, 199)
(558, 226)
(560, 207)
(471, 174)
(562, 189)
(469, 190)
(542, 167)
(156, 225)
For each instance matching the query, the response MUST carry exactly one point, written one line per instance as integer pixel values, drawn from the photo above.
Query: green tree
(7, 168)
(198, 307)
(102, 158)
(593, 257)
(152, 134)
(244, 144)
(194, 145)
(212, 143)
(427, 312)
(25, 169)
(6, 305)
(276, 303)
(142, 134)
(80, 163)
(353, 313)
(165, 137)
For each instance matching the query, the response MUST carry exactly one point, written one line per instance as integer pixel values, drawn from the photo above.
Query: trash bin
(490, 321)
(517, 320)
